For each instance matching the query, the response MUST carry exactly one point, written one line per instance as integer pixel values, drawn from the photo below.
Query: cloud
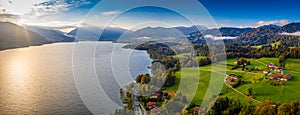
(41, 7)
(218, 38)
(275, 22)
(6, 17)
(55, 6)
(290, 34)
(108, 13)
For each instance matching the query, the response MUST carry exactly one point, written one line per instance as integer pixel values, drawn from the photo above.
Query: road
(138, 108)
(241, 93)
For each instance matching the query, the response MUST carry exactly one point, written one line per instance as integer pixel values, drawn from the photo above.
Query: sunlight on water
(39, 80)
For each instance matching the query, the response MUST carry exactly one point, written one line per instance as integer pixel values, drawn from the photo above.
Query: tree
(284, 109)
(266, 108)
(250, 91)
(281, 59)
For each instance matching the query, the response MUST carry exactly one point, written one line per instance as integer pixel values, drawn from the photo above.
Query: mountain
(162, 32)
(258, 36)
(111, 34)
(188, 30)
(267, 35)
(290, 28)
(225, 32)
(270, 26)
(51, 34)
(287, 35)
(14, 36)
(92, 33)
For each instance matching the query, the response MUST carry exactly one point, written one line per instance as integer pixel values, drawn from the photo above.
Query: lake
(50, 79)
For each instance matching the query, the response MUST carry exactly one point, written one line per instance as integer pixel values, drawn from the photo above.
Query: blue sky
(64, 14)
(247, 12)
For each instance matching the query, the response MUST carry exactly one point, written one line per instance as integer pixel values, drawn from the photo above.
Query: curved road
(138, 108)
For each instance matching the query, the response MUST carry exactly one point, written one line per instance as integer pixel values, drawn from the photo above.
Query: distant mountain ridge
(109, 33)
(52, 34)
(270, 26)
(92, 33)
(14, 36)
(226, 32)
(261, 36)
(266, 34)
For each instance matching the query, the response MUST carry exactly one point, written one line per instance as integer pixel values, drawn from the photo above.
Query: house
(151, 105)
(276, 77)
(265, 71)
(196, 110)
(271, 66)
(279, 69)
(270, 74)
(231, 78)
(171, 94)
(286, 77)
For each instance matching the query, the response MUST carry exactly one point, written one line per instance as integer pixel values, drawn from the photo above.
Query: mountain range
(15, 36)
(111, 34)
(266, 34)
(92, 33)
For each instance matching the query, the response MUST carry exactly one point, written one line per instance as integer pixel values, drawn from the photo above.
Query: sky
(68, 14)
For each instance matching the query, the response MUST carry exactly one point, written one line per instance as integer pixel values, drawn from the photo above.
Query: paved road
(138, 108)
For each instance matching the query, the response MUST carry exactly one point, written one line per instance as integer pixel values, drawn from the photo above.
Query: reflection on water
(38, 80)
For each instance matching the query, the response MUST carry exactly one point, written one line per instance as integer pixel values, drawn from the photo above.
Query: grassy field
(284, 93)
(185, 55)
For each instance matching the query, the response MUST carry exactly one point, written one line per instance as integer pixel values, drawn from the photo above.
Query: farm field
(262, 90)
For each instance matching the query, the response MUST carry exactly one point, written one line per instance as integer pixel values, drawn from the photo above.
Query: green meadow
(262, 91)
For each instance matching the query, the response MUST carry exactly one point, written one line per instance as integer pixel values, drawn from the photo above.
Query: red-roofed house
(271, 65)
(276, 77)
(279, 69)
(286, 77)
(151, 105)
(196, 110)
(265, 71)
(171, 94)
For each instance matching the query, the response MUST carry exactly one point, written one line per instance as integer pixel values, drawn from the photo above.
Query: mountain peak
(270, 26)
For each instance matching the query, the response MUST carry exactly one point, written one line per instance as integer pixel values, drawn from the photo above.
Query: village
(272, 72)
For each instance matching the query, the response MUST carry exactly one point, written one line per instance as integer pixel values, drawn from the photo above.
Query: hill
(92, 33)
(14, 36)
(51, 34)
(267, 34)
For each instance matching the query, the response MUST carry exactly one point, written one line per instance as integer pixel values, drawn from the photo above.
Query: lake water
(45, 79)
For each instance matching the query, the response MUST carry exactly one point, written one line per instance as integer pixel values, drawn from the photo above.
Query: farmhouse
(151, 105)
(171, 94)
(287, 77)
(231, 78)
(276, 77)
(196, 110)
(279, 69)
(281, 77)
(271, 66)
(265, 71)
